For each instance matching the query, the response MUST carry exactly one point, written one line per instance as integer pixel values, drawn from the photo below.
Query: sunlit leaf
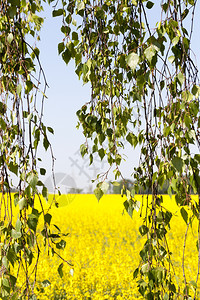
(46, 283)
(132, 60)
(98, 193)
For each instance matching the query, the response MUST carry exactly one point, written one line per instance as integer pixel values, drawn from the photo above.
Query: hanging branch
(23, 86)
(130, 63)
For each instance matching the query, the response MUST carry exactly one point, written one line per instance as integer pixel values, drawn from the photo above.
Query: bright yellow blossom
(103, 244)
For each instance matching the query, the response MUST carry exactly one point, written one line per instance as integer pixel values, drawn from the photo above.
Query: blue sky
(65, 96)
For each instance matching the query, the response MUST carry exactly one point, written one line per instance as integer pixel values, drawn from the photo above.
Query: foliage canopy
(144, 89)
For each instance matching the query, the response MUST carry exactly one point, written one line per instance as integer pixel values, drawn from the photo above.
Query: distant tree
(118, 186)
(75, 191)
(127, 184)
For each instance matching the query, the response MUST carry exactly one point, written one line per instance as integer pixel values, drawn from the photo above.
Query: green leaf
(66, 30)
(45, 192)
(181, 78)
(194, 107)
(50, 130)
(184, 13)
(58, 12)
(5, 262)
(166, 297)
(187, 96)
(177, 163)
(11, 255)
(104, 187)
(33, 219)
(128, 195)
(13, 168)
(23, 3)
(136, 205)
(195, 90)
(135, 2)
(149, 4)
(19, 89)
(80, 6)
(197, 157)
(18, 225)
(46, 283)
(193, 283)
(155, 176)
(47, 218)
(191, 134)
(2, 124)
(54, 236)
(60, 270)
(61, 47)
(66, 55)
(29, 117)
(56, 227)
(129, 208)
(15, 234)
(91, 158)
(131, 205)
(61, 244)
(32, 179)
(42, 171)
(22, 203)
(10, 38)
(187, 120)
(145, 268)
(171, 59)
(162, 84)
(184, 214)
(83, 150)
(115, 183)
(150, 52)
(6, 285)
(101, 153)
(135, 273)
(13, 281)
(143, 230)
(132, 60)
(133, 193)
(98, 193)
(28, 87)
(166, 130)
(46, 143)
(118, 159)
(175, 40)
(32, 222)
(74, 35)
(132, 139)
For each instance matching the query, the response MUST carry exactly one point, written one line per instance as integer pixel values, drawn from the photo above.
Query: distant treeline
(116, 188)
(129, 184)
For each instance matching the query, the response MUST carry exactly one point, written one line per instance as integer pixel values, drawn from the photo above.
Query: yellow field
(103, 245)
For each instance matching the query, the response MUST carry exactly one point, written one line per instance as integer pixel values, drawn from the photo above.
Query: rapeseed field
(103, 246)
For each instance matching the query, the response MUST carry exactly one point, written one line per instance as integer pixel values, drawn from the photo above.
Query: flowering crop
(103, 245)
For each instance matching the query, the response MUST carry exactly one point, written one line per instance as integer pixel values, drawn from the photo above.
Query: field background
(103, 245)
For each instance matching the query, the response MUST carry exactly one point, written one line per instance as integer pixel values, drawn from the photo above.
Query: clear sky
(65, 96)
